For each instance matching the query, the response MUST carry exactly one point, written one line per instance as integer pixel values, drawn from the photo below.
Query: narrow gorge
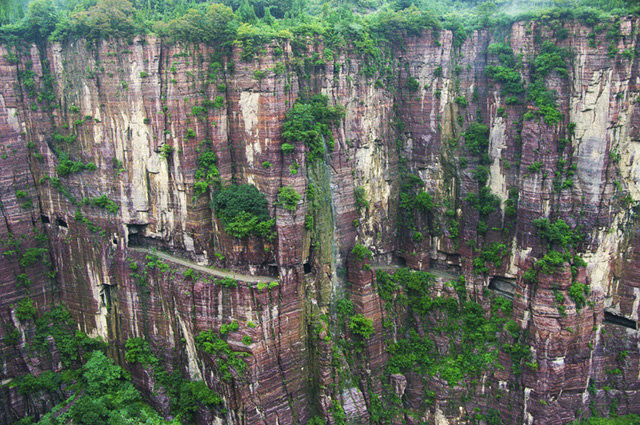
(437, 229)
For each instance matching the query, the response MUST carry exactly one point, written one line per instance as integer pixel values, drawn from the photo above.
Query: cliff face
(125, 101)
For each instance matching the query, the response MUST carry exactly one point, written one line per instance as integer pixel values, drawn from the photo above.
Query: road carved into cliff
(436, 272)
(204, 269)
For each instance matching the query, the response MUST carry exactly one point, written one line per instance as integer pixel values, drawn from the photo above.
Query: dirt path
(204, 269)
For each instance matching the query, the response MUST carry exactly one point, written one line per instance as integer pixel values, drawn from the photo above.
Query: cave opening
(44, 219)
(272, 269)
(503, 286)
(307, 267)
(60, 222)
(616, 319)
(136, 235)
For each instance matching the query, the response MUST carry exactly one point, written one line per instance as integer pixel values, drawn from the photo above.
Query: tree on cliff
(213, 25)
(41, 19)
(106, 19)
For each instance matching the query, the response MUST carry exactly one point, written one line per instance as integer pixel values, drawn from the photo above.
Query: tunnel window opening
(136, 234)
(272, 269)
(45, 219)
(618, 320)
(503, 286)
(60, 222)
(105, 296)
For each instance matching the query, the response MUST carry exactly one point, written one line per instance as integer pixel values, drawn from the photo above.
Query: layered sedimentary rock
(125, 101)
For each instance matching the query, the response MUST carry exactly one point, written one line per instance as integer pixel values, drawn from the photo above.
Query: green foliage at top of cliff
(221, 23)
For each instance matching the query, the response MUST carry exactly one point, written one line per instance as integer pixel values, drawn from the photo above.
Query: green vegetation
(614, 420)
(252, 22)
(102, 202)
(462, 101)
(66, 166)
(360, 197)
(228, 363)
(477, 140)
(287, 148)
(166, 150)
(552, 59)
(470, 336)
(416, 206)
(25, 309)
(138, 351)
(484, 201)
(288, 198)
(505, 72)
(493, 254)
(90, 389)
(412, 84)
(361, 327)
(32, 256)
(242, 210)
(102, 393)
(207, 174)
(227, 282)
(361, 252)
(310, 121)
(557, 233)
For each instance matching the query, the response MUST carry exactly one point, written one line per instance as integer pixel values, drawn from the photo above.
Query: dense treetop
(221, 23)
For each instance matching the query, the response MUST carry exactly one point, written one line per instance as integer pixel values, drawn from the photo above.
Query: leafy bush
(166, 150)
(138, 351)
(67, 166)
(551, 59)
(288, 198)
(462, 101)
(310, 121)
(477, 138)
(578, 292)
(105, 19)
(31, 256)
(484, 201)
(207, 173)
(557, 233)
(412, 84)
(25, 309)
(493, 254)
(227, 282)
(535, 167)
(242, 210)
(552, 261)
(287, 148)
(360, 197)
(361, 326)
(228, 361)
(211, 25)
(102, 202)
(360, 252)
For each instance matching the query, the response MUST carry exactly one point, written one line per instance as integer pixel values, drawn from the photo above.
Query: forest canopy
(221, 23)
